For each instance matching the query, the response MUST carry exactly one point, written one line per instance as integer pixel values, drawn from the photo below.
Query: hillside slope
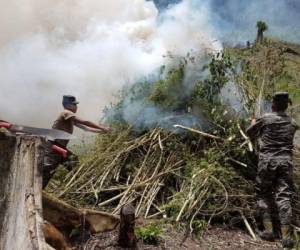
(275, 63)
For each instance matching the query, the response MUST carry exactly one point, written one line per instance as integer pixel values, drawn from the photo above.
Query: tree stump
(127, 237)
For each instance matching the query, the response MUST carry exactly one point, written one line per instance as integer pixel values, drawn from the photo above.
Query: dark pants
(51, 162)
(275, 188)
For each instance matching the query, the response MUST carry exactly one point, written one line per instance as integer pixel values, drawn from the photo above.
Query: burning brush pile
(179, 150)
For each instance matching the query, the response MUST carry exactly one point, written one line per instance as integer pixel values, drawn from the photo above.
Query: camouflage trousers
(274, 184)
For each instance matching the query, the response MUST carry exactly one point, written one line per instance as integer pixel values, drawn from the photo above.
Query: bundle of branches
(163, 173)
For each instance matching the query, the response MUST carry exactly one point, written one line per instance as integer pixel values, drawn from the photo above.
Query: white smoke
(88, 48)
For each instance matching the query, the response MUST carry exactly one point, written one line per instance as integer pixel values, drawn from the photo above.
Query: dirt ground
(213, 239)
(225, 239)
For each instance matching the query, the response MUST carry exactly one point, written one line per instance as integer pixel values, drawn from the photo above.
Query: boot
(287, 241)
(267, 233)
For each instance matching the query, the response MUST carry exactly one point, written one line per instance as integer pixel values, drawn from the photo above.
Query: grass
(278, 60)
(150, 234)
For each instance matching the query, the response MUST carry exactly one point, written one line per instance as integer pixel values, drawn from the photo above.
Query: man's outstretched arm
(90, 126)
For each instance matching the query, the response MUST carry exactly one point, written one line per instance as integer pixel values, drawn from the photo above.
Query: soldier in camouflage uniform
(274, 133)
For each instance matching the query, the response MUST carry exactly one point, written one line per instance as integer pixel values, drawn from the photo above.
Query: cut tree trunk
(20, 192)
(23, 206)
(127, 237)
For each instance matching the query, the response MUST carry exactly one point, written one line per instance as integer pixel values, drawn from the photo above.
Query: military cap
(281, 100)
(281, 97)
(69, 99)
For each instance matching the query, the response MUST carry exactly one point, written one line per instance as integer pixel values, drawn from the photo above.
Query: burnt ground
(214, 238)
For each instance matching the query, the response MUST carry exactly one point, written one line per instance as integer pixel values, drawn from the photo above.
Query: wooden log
(66, 217)
(55, 238)
(127, 238)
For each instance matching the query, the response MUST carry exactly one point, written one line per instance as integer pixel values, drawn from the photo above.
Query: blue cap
(69, 99)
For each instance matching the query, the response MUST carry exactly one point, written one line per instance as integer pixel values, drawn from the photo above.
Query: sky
(234, 20)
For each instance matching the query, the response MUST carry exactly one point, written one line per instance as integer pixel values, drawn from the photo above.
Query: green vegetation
(171, 93)
(150, 234)
(275, 63)
(168, 172)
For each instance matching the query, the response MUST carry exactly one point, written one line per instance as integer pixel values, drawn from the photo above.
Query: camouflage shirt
(274, 133)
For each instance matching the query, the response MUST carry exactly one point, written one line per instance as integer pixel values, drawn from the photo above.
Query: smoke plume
(89, 49)
(92, 48)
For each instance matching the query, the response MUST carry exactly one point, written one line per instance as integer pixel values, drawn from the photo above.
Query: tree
(261, 28)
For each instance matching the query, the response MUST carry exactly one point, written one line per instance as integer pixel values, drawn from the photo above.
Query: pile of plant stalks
(181, 173)
(168, 174)
(164, 174)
